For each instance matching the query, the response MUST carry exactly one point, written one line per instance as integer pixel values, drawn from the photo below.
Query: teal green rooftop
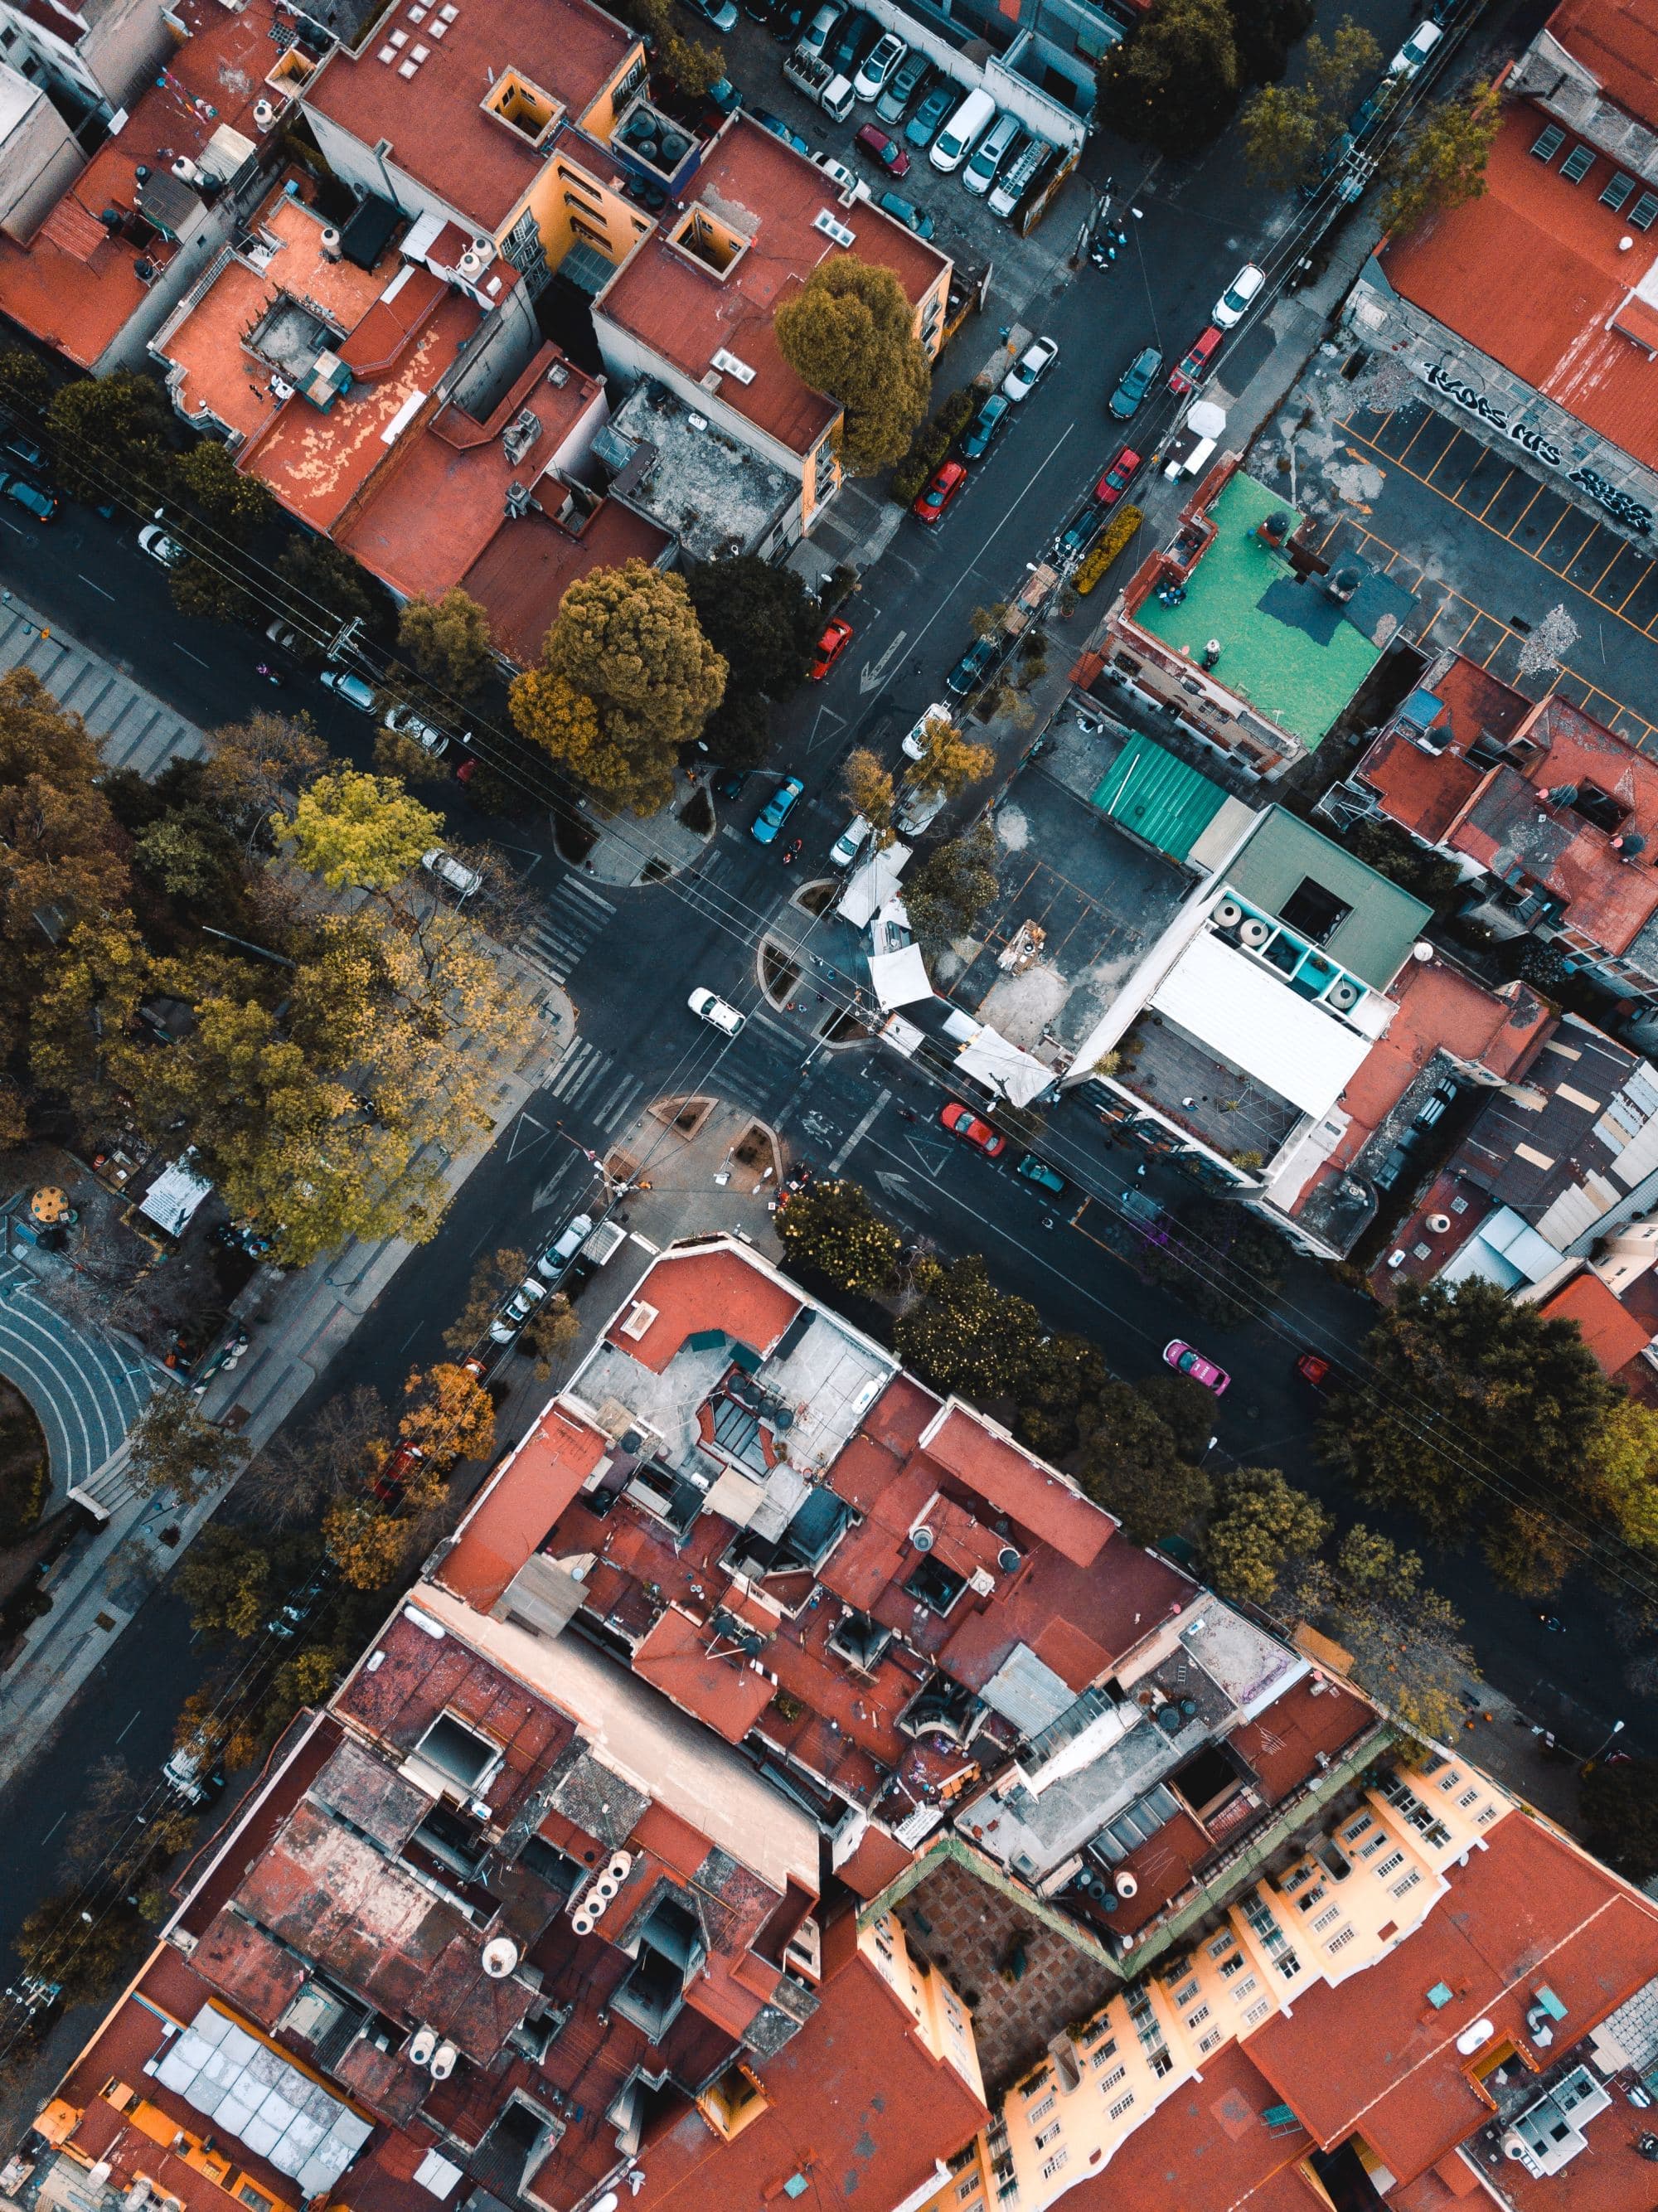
(1294, 677)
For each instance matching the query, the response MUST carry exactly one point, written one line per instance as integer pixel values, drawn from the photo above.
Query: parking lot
(1488, 547)
(1025, 270)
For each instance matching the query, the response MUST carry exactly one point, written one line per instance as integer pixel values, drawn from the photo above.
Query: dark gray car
(1137, 378)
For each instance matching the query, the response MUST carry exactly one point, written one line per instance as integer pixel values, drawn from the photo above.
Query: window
(1040, 2111)
(1210, 2040)
(1257, 2013)
(1123, 2104)
(1578, 165)
(1233, 1965)
(1107, 2050)
(1640, 216)
(965, 2189)
(1246, 1989)
(1117, 2074)
(1221, 1945)
(1619, 188)
(1036, 2084)
(1287, 1965)
(1437, 1834)
(1409, 1882)
(1046, 2135)
(1306, 1904)
(1549, 144)
(1490, 1813)
(1339, 1943)
(1468, 1797)
(1051, 2166)
(1326, 1920)
(1355, 1828)
(1301, 1876)
(1185, 1994)
(1377, 1843)
(1451, 1779)
(1196, 2019)
(1160, 2063)
(255, 2199)
(1394, 1860)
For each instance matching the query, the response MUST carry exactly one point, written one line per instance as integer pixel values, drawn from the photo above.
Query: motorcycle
(791, 852)
(269, 674)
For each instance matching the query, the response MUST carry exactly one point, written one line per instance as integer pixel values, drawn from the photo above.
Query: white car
(850, 842)
(1234, 303)
(517, 1310)
(838, 174)
(554, 1261)
(1415, 51)
(707, 1007)
(155, 541)
(460, 878)
(882, 58)
(915, 745)
(408, 724)
(1032, 365)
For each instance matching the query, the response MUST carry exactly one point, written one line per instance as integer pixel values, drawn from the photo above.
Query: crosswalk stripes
(560, 939)
(587, 1080)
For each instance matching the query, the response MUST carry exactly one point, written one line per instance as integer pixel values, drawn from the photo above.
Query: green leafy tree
(173, 1448)
(1618, 1810)
(549, 1335)
(292, 1479)
(1336, 67)
(449, 641)
(1284, 134)
(225, 1580)
(85, 1945)
(1262, 1536)
(738, 732)
(1404, 1638)
(1174, 84)
(1063, 1383)
(1187, 1407)
(25, 382)
(759, 618)
(1394, 853)
(208, 591)
(207, 479)
(695, 65)
(368, 1547)
(626, 677)
(256, 769)
(1129, 1464)
(952, 887)
(350, 827)
(867, 786)
(332, 589)
(1460, 1382)
(832, 1227)
(1227, 1261)
(1440, 163)
(850, 332)
(494, 1275)
(1266, 32)
(111, 433)
(963, 1336)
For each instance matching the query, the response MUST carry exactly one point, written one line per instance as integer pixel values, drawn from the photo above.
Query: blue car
(977, 438)
(777, 129)
(776, 810)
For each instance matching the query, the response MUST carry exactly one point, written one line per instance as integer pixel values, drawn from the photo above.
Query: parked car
(850, 842)
(918, 807)
(923, 126)
(554, 1261)
(961, 1121)
(1185, 1360)
(1415, 51)
(878, 65)
(981, 433)
(729, 785)
(1313, 1368)
(30, 497)
(1135, 382)
(838, 635)
(722, 14)
(992, 150)
(1040, 1173)
(779, 129)
(408, 724)
(852, 37)
(759, 11)
(709, 1008)
(1125, 467)
(917, 745)
(1196, 365)
(517, 1310)
(902, 85)
(1082, 528)
(974, 664)
(1017, 176)
(905, 212)
(356, 690)
(776, 810)
(155, 541)
(1234, 303)
(283, 634)
(25, 452)
(1033, 364)
(847, 180)
(789, 20)
(941, 487)
(887, 151)
(967, 124)
(388, 1482)
(821, 28)
(1142, 1208)
(454, 874)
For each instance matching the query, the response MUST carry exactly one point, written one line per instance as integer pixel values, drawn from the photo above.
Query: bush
(1126, 522)
(932, 441)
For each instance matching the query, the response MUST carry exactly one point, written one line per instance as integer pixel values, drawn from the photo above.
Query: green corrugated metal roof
(1160, 798)
(1384, 922)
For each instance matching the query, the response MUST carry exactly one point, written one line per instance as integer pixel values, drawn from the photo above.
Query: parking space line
(1632, 590)
(1595, 587)
(1537, 551)
(1428, 415)
(1495, 496)
(1523, 513)
(1566, 572)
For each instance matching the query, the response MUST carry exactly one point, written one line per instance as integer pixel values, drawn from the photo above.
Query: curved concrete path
(85, 1387)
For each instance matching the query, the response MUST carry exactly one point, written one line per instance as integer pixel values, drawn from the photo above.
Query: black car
(974, 664)
(1135, 382)
(849, 41)
(729, 785)
(1083, 529)
(789, 21)
(758, 11)
(980, 432)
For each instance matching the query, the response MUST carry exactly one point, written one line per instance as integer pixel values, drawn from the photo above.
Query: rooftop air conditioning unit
(422, 2044)
(832, 228)
(730, 365)
(1252, 931)
(1438, 1223)
(1227, 914)
(1343, 994)
(443, 2061)
(620, 1868)
(499, 1957)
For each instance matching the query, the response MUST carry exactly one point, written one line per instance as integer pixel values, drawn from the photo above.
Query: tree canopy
(1174, 84)
(1619, 1814)
(1130, 1465)
(350, 827)
(833, 1227)
(449, 641)
(174, 1449)
(1440, 164)
(953, 886)
(1262, 1535)
(759, 618)
(850, 332)
(867, 784)
(963, 1335)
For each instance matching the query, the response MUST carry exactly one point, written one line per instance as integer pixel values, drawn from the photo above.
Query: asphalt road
(633, 967)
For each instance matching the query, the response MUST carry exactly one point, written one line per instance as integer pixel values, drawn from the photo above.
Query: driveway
(87, 1388)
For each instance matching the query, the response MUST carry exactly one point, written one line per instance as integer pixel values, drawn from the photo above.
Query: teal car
(1040, 1173)
(928, 120)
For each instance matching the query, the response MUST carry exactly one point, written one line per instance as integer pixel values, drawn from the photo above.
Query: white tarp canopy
(1018, 1075)
(1246, 1014)
(173, 1197)
(871, 885)
(1203, 416)
(899, 978)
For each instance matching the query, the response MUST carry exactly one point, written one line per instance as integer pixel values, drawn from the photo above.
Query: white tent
(871, 885)
(899, 978)
(1018, 1075)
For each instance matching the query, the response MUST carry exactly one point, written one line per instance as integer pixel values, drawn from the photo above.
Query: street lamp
(1617, 1730)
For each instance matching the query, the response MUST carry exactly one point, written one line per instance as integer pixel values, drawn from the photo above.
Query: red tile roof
(860, 2110)
(519, 1508)
(1013, 1481)
(687, 312)
(438, 130)
(1372, 2056)
(1563, 281)
(522, 575)
(716, 1288)
(1207, 2149)
(1613, 1335)
(73, 286)
(678, 1657)
(1425, 791)
(1617, 40)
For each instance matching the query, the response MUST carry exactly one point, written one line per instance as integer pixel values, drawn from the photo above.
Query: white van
(962, 132)
(991, 152)
(460, 878)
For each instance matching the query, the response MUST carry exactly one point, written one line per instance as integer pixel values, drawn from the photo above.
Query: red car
(966, 1125)
(1198, 363)
(389, 1480)
(837, 636)
(1118, 477)
(941, 487)
(887, 151)
(1184, 1360)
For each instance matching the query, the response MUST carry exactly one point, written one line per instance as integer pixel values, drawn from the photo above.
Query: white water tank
(421, 2045)
(443, 2061)
(499, 1957)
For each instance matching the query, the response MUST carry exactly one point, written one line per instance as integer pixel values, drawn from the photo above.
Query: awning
(173, 1197)
(871, 885)
(899, 978)
(1007, 1068)
(1247, 1015)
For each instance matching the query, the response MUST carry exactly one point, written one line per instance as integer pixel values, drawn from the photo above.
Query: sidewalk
(297, 1324)
(643, 849)
(133, 728)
